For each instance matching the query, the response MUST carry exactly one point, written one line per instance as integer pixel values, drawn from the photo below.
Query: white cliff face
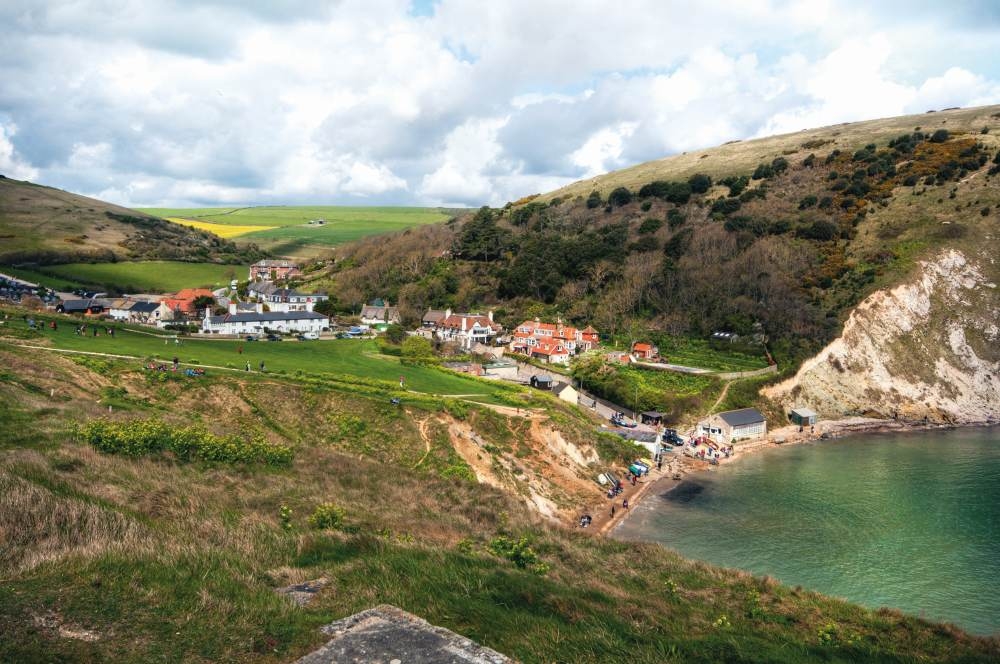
(929, 348)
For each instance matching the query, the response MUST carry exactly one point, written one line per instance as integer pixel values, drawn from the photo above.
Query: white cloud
(11, 164)
(357, 100)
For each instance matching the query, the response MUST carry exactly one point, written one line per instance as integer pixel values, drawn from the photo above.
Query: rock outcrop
(929, 348)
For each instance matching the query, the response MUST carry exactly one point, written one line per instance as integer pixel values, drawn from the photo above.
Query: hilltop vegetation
(42, 226)
(161, 531)
(783, 244)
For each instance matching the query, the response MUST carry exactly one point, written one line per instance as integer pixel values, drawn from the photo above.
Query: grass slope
(344, 357)
(288, 233)
(736, 157)
(146, 276)
(152, 559)
(41, 224)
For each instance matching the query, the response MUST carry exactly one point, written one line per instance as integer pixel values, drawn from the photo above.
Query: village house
(181, 304)
(550, 351)
(286, 299)
(644, 351)
(734, 425)
(433, 317)
(468, 329)
(258, 290)
(135, 311)
(87, 307)
(379, 313)
(565, 391)
(531, 334)
(258, 322)
(274, 270)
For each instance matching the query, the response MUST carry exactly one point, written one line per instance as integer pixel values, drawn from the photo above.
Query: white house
(468, 329)
(379, 314)
(733, 425)
(258, 322)
(566, 392)
(286, 300)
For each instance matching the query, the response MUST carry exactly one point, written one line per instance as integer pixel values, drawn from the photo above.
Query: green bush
(518, 552)
(700, 183)
(619, 197)
(940, 136)
(594, 200)
(327, 516)
(144, 437)
(650, 225)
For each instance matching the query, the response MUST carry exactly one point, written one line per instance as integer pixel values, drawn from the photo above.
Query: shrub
(646, 205)
(807, 202)
(809, 161)
(726, 206)
(619, 197)
(518, 552)
(736, 184)
(327, 516)
(144, 437)
(650, 225)
(700, 183)
(594, 200)
(940, 136)
(985, 211)
(820, 229)
(675, 218)
(825, 202)
(911, 181)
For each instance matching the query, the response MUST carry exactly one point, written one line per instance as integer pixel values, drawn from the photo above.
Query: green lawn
(340, 356)
(295, 237)
(700, 353)
(147, 276)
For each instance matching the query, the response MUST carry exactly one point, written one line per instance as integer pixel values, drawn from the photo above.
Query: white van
(308, 336)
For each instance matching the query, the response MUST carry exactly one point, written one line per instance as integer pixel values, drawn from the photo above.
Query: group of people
(81, 330)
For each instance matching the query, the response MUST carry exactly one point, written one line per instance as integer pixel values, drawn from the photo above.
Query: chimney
(447, 313)
(489, 315)
(232, 306)
(208, 311)
(537, 320)
(463, 323)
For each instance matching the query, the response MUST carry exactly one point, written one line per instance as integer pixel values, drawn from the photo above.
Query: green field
(148, 276)
(339, 357)
(296, 237)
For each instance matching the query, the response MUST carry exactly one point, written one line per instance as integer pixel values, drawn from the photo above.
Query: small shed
(802, 417)
(541, 381)
(651, 417)
(566, 392)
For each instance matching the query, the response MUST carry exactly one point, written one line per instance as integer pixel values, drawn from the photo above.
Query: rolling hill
(41, 225)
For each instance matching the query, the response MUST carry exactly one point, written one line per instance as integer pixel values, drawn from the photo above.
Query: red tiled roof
(642, 348)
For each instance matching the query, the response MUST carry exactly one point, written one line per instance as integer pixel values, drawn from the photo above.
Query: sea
(903, 520)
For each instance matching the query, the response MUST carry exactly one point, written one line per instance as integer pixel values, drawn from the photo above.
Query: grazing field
(149, 276)
(351, 357)
(227, 231)
(691, 352)
(286, 231)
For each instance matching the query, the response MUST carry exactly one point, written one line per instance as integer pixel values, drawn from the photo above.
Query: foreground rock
(388, 635)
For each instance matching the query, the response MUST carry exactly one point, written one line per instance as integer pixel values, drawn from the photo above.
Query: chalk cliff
(929, 347)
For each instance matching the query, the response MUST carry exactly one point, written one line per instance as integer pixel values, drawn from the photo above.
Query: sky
(448, 102)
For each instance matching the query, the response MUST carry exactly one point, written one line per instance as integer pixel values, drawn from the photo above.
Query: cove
(910, 521)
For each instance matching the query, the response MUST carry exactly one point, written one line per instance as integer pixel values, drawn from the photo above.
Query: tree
(594, 200)
(481, 238)
(940, 136)
(417, 347)
(620, 196)
(395, 333)
(203, 301)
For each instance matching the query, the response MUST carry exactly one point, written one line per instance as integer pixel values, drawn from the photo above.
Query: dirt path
(422, 427)
(722, 395)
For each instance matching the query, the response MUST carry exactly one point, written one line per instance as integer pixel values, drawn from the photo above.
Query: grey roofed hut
(541, 381)
(802, 416)
(651, 417)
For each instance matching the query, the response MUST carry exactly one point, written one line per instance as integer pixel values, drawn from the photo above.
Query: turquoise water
(910, 521)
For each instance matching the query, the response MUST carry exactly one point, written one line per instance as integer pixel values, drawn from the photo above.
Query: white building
(259, 322)
(468, 329)
(733, 425)
(286, 300)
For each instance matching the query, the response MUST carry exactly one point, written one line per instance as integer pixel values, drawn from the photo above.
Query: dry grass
(740, 157)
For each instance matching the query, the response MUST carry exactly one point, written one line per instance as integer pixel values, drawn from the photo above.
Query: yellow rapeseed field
(222, 230)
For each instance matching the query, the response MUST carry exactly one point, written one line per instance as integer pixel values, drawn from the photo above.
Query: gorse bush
(144, 437)
(518, 552)
(327, 516)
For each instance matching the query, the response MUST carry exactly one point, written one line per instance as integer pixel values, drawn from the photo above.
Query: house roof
(561, 385)
(81, 305)
(379, 312)
(642, 348)
(266, 317)
(742, 417)
(124, 305)
(144, 307)
(466, 322)
(433, 316)
(652, 414)
(542, 378)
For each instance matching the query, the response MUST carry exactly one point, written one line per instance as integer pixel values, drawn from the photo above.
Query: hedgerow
(144, 437)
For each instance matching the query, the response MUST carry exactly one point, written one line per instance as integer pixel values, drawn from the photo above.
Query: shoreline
(663, 481)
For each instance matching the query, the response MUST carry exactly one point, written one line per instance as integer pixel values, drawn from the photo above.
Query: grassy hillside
(42, 225)
(119, 550)
(285, 230)
(744, 156)
(145, 276)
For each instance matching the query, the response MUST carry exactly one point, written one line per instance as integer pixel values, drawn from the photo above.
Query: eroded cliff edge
(928, 348)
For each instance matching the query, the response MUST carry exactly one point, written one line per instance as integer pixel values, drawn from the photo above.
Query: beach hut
(541, 381)
(802, 417)
(651, 417)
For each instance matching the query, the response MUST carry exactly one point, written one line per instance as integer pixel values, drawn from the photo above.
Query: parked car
(251, 337)
(273, 337)
(308, 336)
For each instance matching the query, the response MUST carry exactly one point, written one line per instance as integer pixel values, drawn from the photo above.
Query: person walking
(262, 366)
(248, 365)
(625, 504)
(612, 511)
